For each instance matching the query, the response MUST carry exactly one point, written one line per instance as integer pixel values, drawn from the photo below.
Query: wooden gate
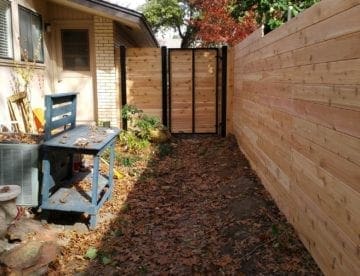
(193, 91)
(180, 86)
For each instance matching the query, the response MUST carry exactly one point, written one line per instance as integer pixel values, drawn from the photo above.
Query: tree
(271, 13)
(205, 21)
(171, 14)
(219, 22)
(215, 25)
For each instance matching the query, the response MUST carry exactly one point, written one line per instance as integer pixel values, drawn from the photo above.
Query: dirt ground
(193, 206)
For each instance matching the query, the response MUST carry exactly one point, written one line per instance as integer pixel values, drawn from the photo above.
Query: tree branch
(180, 33)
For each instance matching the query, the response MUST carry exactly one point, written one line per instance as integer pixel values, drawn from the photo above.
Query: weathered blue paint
(58, 116)
(64, 197)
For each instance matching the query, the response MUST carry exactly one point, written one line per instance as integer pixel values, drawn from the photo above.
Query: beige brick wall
(107, 90)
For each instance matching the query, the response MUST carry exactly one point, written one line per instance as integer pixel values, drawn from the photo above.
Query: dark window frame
(29, 36)
(10, 56)
(66, 67)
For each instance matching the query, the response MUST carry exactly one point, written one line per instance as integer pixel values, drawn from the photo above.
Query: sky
(163, 37)
(131, 4)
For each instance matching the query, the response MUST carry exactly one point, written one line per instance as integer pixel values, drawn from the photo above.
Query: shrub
(139, 123)
(132, 142)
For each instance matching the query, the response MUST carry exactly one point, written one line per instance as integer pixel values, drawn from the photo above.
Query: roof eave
(119, 14)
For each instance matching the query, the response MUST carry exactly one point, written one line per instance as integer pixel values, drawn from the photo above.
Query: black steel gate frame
(166, 86)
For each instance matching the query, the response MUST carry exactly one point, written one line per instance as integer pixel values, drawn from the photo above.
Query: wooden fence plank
(343, 96)
(296, 114)
(319, 12)
(144, 79)
(205, 91)
(181, 91)
(337, 49)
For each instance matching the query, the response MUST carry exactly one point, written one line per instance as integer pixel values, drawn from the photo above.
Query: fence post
(123, 81)
(223, 90)
(193, 90)
(164, 85)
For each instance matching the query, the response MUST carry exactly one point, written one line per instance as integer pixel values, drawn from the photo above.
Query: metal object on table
(75, 140)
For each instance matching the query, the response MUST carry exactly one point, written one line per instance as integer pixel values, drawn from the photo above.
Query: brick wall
(107, 91)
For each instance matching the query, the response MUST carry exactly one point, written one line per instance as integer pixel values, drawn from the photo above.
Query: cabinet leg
(111, 169)
(93, 221)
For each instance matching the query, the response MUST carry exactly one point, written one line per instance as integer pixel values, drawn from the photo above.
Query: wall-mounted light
(47, 27)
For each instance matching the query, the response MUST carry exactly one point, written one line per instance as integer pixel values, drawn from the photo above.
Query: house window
(6, 49)
(31, 35)
(75, 50)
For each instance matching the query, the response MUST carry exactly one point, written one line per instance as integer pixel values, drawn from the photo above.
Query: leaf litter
(194, 208)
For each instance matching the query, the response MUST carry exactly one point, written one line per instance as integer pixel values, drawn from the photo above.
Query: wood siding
(296, 115)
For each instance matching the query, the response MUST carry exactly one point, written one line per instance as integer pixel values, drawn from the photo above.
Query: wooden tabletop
(83, 137)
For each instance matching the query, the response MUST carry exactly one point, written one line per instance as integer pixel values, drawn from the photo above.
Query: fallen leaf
(91, 253)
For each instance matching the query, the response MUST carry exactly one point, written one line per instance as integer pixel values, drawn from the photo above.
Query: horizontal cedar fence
(296, 115)
(144, 80)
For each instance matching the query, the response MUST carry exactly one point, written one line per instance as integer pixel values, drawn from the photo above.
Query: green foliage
(145, 124)
(143, 270)
(140, 123)
(139, 134)
(181, 14)
(163, 14)
(171, 14)
(117, 233)
(132, 142)
(136, 138)
(129, 111)
(105, 260)
(91, 253)
(164, 149)
(128, 161)
(125, 207)
(274, 230)
(271, 13)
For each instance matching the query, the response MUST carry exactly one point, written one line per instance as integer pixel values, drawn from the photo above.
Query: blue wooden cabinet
(62, 135)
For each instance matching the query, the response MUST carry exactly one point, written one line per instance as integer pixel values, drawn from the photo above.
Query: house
(76, 46)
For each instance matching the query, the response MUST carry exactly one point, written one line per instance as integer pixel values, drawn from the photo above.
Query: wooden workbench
(90, 140)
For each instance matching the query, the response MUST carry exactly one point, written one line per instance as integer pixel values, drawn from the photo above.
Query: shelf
(73, 198)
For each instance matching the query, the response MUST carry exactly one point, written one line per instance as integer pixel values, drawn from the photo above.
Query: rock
(49, 252)
(21, 228)
(8, 210)
(3, 224)
(2, 246)
(26, 227)
(159, 135)
(32, 258)
(23, 256)
(6, 246)
(78, 227)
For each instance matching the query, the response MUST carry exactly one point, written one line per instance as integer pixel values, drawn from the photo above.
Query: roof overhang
(135, 22)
